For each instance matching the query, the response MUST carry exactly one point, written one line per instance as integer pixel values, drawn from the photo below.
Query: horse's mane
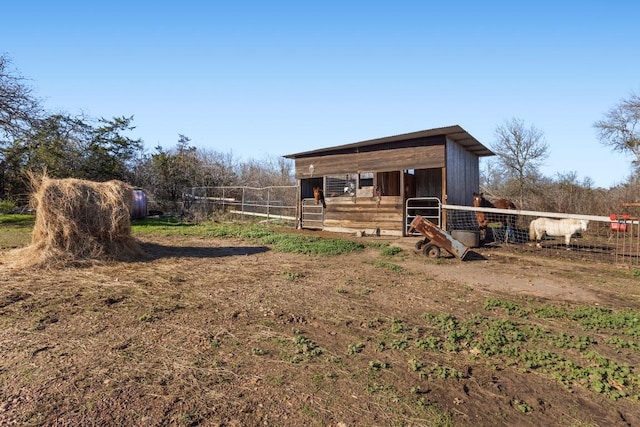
(504, 204)
(486, 203)
(483, 202)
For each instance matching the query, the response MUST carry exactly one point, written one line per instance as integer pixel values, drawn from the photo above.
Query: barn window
(341, 185)
(365, 180)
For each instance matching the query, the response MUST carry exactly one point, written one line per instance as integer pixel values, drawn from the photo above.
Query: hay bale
(79, 220)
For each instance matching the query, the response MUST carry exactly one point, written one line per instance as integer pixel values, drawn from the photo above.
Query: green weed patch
(518, 341)
(15, 230)
(259, 233)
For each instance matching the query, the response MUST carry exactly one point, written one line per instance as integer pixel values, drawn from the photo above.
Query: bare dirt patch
(223, 332)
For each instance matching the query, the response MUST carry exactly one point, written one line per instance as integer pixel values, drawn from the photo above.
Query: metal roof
(454, 133)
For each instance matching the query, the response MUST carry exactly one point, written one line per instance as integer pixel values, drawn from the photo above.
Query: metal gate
(427, 207)
(312, 214)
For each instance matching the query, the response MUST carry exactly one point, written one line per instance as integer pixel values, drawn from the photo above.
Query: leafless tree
(217, 169)
(520, 152)
(620, 128)
(19, 109)
(269, 171)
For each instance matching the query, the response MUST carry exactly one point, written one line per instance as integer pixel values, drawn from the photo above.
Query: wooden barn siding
(463, 175)
(364, 213)
(429, 183)
(375, 161)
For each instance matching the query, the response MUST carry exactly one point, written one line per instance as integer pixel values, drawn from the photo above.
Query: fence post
(242, 203)
(268, 201)
(224, 207)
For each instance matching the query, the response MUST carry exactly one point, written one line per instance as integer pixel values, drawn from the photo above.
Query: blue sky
(261, 79)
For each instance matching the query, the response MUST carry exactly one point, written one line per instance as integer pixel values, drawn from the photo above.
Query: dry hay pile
(78, 220)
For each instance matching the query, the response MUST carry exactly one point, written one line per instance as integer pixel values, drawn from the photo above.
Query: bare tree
(218, 169)
(520, 152)
(270, 171)
(19, 109)
(619, 128)
(492, 177)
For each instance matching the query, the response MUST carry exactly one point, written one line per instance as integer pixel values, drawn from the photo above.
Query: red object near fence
(619, 222)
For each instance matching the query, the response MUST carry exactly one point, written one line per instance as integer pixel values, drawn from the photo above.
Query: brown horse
(485, 218)
(318, 194)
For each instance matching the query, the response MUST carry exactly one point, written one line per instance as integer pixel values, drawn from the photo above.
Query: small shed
(380, 185)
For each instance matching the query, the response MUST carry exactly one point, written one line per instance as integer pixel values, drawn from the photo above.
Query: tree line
(66, 146)
(99, 149)
(521, 150)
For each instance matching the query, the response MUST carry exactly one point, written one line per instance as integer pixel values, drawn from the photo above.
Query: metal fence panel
(274, 202)
(605, 239)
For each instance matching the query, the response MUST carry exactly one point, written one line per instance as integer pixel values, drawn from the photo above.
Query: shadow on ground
(474, 256)
(154, 251)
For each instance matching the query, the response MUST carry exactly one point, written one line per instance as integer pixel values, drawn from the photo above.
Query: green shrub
(6, 206)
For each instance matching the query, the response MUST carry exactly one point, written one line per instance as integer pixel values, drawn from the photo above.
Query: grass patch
(166, 227)
(310, 245)
(15, 230)
(387, 266)
(259, 233)
(18, 220)
(390, 251)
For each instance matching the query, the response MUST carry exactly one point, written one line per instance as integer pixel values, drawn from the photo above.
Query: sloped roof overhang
(454, 133)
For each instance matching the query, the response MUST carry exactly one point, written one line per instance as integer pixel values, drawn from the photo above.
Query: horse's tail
(532, 230)
(324, 204)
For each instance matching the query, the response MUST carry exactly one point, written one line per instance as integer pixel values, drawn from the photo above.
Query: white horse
(556, 227)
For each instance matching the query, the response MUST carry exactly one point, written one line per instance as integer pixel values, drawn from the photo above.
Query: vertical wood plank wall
(463, 175)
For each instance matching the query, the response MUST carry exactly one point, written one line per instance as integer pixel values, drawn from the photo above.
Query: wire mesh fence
(274, 202)
(614, 239)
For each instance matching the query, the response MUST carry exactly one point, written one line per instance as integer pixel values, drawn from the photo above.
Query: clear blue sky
(261, 79)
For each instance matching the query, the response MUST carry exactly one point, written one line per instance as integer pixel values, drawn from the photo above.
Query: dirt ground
(219, 332)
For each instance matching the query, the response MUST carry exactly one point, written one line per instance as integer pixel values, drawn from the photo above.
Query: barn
(379, 186)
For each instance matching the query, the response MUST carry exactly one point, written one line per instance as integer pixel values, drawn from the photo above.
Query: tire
(431, 251)
(421, 243)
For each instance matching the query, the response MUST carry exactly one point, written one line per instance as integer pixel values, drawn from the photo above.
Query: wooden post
(444, 197)
(404, 209)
